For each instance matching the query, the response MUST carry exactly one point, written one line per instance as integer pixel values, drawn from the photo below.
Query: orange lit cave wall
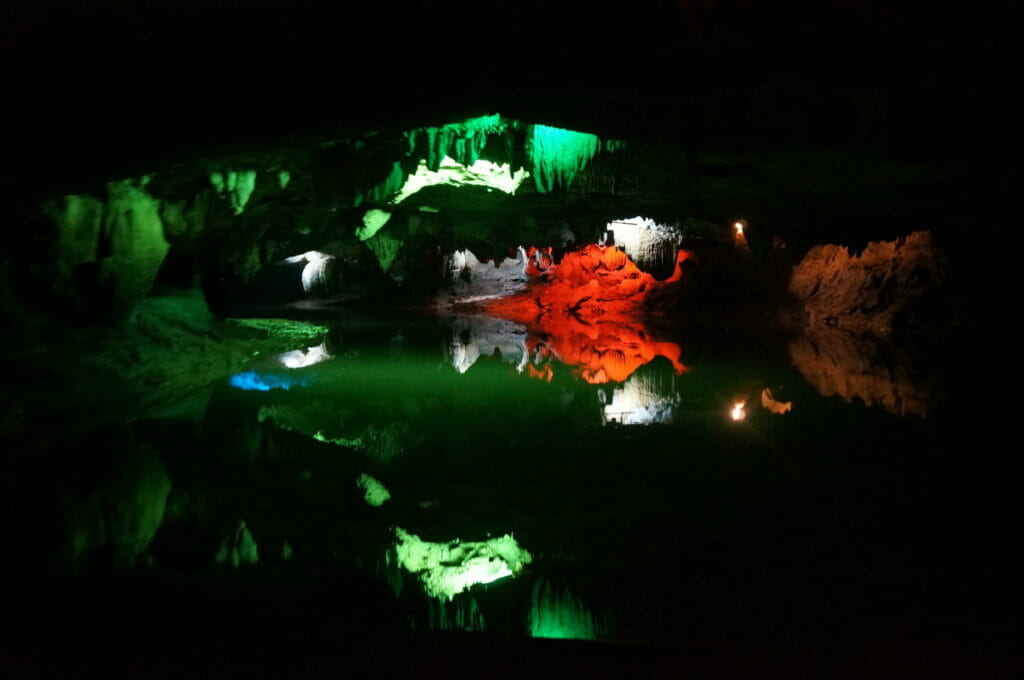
(588, 311)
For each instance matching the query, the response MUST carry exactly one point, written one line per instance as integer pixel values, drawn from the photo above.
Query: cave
(393, 341)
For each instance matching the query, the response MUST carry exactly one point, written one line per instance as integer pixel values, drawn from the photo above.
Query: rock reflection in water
(855, 305)
(867, 367)
(611, 352)
(641, 400)
(474, 337)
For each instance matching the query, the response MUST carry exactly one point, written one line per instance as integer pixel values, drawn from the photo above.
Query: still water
(465, 474)
(395, 475)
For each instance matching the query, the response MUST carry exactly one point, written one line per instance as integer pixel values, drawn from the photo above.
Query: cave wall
(217, 222)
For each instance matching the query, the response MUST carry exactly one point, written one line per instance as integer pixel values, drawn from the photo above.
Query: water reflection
(299, 358)
(439, 429)
(641, 400)
(610, 352)
(866, 367)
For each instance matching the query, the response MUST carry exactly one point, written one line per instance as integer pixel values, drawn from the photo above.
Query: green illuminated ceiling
(452, 155)
(559, 155)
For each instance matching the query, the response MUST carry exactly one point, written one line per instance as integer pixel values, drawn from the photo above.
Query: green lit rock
(238, 548)
(463, 614)
(125, 512)
(385, 248)
(376, 494)
(123, 234)
(299, 331)
(384, 189)
(132, 225)
(373, 220)
(447, 569)
(354, 443)
(237, 185)
(557, 613)
(79, 220)
(559, 155)
(283, 177)
(464, 141)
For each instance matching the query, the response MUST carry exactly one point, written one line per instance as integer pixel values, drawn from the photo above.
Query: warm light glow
(777, 407)
(737, 412)
(739, 238)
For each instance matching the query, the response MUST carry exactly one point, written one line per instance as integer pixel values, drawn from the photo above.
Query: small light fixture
(739, 228)
(737, 412)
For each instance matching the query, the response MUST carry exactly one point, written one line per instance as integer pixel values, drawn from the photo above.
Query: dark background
(99, 88)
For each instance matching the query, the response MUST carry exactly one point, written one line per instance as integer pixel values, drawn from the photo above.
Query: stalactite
(557, 156)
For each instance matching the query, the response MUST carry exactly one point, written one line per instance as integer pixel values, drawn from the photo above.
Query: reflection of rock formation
(447, 569)
(238, 548)
(125, 512)
(774, 405)
(474, 337)
(325, 423)
(853, 304)
(610, 352)
(598, 353)
(867, 367)
(558, 613)
(641, 400)
(879, 289)
(298, 358)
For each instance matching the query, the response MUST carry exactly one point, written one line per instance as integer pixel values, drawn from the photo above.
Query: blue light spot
(264, 382)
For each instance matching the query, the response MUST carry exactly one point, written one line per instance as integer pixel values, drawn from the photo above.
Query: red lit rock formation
(588, 312)
(597, 283)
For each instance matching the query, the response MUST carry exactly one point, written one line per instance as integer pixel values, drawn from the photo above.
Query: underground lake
(600, 376)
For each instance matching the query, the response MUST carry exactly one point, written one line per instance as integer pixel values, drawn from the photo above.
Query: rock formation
(872, 292)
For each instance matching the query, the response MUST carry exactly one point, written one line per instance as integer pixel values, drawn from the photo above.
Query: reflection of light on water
(739, 237)
(301, 358)
(447, 569)
(769, 401)
(738, 412)
(264, 382)
(475, 337)
(641, 400)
